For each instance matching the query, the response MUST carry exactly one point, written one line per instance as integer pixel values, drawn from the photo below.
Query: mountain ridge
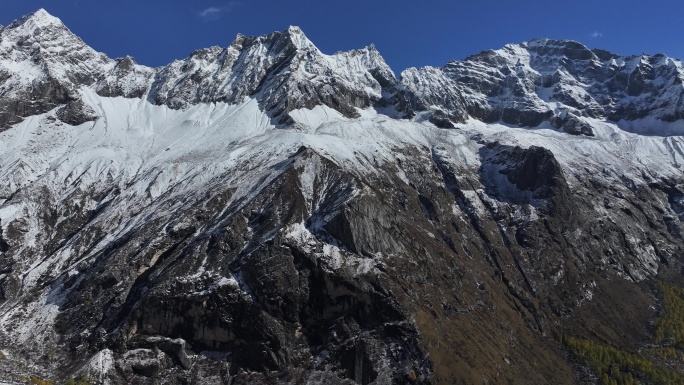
(261, 213)
(540, 81)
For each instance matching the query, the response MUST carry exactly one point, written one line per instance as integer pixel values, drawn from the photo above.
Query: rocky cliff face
(267, 213)
(283, 71)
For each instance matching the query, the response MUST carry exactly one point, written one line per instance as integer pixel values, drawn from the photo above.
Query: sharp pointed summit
(46, 66)
(39, 26)
(38, 19)
(299, 39)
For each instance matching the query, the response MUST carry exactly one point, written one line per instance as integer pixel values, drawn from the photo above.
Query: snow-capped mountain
(268, 213)
(283, 71)
(557, 82)
(44, 65)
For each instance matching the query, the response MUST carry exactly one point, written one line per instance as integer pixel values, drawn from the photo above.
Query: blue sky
(407, 33)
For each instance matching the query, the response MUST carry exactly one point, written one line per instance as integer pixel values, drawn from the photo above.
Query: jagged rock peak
(292, 38)
(284, 71)
(43, 65)
(548, 48)
(38, 19)
(298, 38)
(126, 61)
(569, 49)
(42, 32)
(553, 43)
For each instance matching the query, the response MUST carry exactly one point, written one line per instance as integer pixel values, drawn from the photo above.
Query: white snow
(101, 364)
(652, 127)
(334, 257)
(24, 323)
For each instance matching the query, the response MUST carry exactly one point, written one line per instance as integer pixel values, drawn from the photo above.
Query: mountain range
(267, 213)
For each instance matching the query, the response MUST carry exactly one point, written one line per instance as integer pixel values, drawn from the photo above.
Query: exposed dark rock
(42, 98)
(440, 119)
(76, 112)
(126, 79)
(572, 125)
(535, 169)
(4, 247)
